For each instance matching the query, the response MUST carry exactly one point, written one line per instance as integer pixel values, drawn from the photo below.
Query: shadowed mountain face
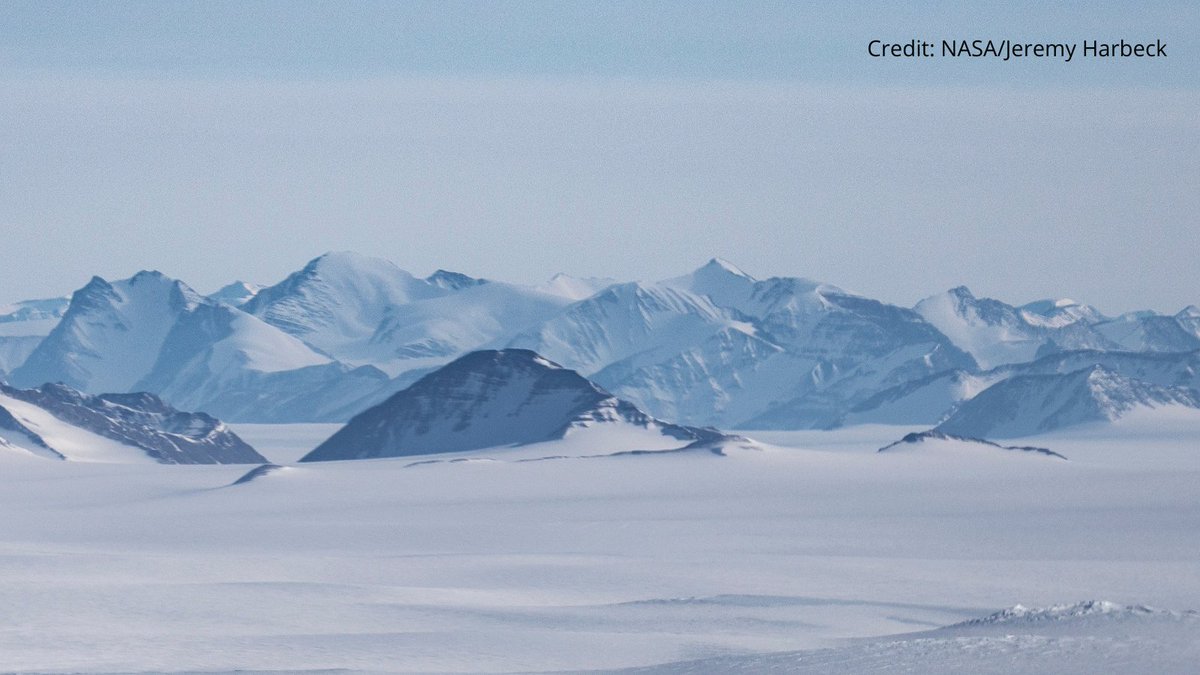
(486, 399)
(40, 417)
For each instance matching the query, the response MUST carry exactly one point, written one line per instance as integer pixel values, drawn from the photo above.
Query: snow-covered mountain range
(716, 347)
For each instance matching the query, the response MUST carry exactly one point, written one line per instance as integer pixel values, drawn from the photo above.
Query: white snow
(256, 345)
(575, 288)
(750, 561)
(117, 340)
(992, 344)
(236, 293)
(430, 332)
(338, 300)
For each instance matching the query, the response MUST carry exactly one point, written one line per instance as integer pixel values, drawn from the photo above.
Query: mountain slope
(930, 399)
(231, 364)
(337, 301)
(854, 347)
(996, 333)
(59, 422)
(718, 347)
(1141, 332)
(921, 401)
(486, 399)
(631, 320)
(429, 333)
(110, 335)
(27, 322)
(1032, 404)
(235, 294)
(1059, 313)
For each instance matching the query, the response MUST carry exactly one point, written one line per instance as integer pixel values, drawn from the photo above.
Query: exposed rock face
(933, 437)
(486, 399)
(141, 421)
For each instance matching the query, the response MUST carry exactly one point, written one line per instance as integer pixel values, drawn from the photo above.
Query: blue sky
(516, 139)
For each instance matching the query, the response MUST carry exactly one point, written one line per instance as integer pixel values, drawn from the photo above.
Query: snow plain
(813, 554)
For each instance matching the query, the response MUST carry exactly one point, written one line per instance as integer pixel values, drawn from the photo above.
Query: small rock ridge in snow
(258, 472)
(453, 281)
(1066, 612)
(917, 438)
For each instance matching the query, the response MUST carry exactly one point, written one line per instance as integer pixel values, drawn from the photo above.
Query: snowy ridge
(932, 399)
(623, 321)
(110, 335)
(235, 294)
(62, 423)
(453, 281)
(933, 436)
(1020, 614)
(23, 324)
(336, 302)
(996, 333)
(1059, 313)
(429, 333)
(575, 288)
(1031, 404)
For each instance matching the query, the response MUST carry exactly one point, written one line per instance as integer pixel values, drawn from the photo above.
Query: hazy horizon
(222, 141)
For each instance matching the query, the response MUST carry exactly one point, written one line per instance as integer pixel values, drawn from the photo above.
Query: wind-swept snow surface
(1086, 637)
(815, 549)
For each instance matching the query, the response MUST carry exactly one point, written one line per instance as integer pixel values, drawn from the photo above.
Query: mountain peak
(722, 266)
(1048, 306)
(485, 399)
(236, 293)
(453, 281)
(51, 419)
(145, 275)
(575, 288)
(348, 262)
(718, 280)
(110, 333)
(1189, 312)
(338, 300)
